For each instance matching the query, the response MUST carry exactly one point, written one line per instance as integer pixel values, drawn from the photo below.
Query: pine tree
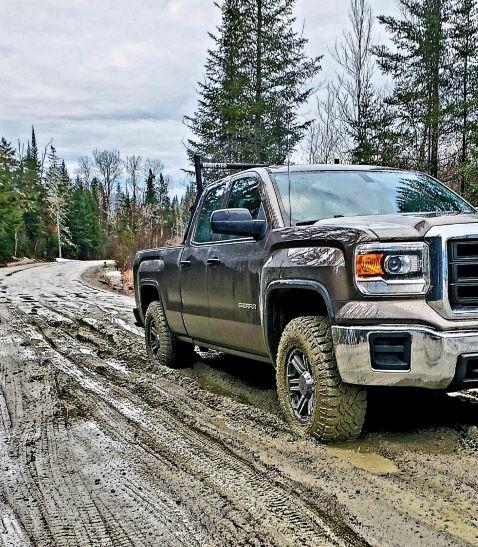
(35, 160)
(163, 209)
(84, 222)
(150, 197)
(11, 200)
(419, 68)
(33, 217)
(181, 210)
(256, 80)
(176, 220)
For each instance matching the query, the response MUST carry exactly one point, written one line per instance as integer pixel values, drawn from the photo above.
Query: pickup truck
(343, 277)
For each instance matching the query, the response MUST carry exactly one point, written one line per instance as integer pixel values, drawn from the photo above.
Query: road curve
(98, 448)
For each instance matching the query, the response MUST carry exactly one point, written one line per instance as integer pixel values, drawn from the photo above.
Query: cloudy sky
(122, 73)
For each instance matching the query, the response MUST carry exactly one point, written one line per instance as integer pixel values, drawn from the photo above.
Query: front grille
(463, 273)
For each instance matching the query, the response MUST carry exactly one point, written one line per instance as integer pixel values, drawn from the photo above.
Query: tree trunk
(435, 92)
(58, 233)
(258, 90)
(464, 129)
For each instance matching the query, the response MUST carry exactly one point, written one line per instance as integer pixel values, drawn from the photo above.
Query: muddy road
(98, 448)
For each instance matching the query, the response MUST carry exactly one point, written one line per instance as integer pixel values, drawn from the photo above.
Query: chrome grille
(463, 273)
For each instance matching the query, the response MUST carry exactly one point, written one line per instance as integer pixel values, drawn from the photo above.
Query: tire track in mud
(108, 337)
(273, 506)
(54, 496)
(181, 458)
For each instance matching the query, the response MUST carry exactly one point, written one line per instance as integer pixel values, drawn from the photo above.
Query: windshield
(315, 195)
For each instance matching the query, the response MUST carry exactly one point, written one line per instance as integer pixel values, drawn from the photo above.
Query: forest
(410, 102)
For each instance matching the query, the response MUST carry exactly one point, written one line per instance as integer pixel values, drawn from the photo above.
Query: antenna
(198, 171)
(288, 174)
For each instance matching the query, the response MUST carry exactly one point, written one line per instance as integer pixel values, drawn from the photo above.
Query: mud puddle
(361, 455)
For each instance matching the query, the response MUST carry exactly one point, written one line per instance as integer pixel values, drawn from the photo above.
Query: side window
(212, 201)
(245, 194)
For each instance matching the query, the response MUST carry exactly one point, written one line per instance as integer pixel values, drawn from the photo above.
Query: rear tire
(161, 344)
(311, 393)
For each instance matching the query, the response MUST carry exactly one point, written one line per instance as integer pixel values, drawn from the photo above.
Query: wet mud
(99, 448)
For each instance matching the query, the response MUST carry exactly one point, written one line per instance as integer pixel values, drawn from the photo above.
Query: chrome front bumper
(434, 355)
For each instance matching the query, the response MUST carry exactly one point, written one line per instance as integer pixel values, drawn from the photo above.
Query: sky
(123, 73)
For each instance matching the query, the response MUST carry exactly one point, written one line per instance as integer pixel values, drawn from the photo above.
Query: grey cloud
(120, 73)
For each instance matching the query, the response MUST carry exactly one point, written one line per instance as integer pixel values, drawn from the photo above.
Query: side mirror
(237, 222)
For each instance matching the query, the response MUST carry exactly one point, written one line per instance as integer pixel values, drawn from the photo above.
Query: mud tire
(338, 413)
(172, 352)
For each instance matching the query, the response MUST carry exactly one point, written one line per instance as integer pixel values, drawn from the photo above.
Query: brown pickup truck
(342, 277)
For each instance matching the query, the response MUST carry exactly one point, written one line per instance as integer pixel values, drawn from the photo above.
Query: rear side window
(212, 201)
(245, 195)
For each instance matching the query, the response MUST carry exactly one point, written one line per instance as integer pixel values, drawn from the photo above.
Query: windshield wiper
(310, 222)
(306, 222)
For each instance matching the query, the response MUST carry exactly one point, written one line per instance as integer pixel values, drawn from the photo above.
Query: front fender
(318, 268)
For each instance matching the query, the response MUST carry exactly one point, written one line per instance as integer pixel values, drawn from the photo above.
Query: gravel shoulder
(96, 447)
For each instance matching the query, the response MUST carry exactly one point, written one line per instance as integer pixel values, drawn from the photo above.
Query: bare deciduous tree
(325, 139)
(57, 199)
(156, 166)
(356, 94)
(110, 167)
(133, 166)
(85, 170)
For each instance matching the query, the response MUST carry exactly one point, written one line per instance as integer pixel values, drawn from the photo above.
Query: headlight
(392, 268)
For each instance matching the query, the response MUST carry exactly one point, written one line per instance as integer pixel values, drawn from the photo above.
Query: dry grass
(127, 281)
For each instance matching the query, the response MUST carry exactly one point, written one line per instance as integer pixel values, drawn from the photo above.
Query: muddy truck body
(342, 277)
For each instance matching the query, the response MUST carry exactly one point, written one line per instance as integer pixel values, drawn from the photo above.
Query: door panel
(193, 267)
(233, 286)
(194, 291)
(233, 280)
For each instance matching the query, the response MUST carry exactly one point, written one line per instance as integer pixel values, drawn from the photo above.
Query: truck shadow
(390, 411)
(404, 410)
(248, 382)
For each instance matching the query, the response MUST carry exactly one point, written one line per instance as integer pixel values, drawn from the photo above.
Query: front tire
(162, 345)
(311, 393)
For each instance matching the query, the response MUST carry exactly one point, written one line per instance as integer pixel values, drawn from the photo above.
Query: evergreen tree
(11, 200)
(176, 220)
(185, 205)
(256, 80)
(34, 217)
(419, 68)
(150, 194)
(163, 208)
(35, 160)
(84, 222)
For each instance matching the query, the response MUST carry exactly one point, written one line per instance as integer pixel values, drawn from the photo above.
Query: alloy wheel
(301, 385)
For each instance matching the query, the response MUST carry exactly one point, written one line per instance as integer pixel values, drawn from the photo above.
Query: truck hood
(397, 226)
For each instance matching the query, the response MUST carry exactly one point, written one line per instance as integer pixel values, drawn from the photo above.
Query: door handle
(185, 263)
(213, 261)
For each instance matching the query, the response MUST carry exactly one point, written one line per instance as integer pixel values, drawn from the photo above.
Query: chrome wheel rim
(153, 339)
(301, 385)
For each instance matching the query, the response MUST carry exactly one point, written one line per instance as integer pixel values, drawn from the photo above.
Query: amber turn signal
(370, 264)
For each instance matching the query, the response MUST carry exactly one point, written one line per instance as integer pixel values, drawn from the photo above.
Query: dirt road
(96, 448)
